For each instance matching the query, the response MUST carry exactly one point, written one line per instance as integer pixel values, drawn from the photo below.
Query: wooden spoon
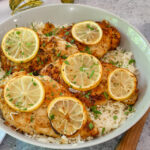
(131, 138)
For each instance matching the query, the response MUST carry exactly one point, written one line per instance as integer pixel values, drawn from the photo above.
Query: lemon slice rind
(87, 32)
(16, 93)
(20, 45)
(119, 87)
(69, 115)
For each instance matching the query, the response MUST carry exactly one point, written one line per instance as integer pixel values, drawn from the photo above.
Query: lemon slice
(121, 84)
(87, 32)
(82, 71)
(67, 115)
(24, 93)
(20, 45)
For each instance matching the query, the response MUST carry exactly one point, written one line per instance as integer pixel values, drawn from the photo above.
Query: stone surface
(136, 12)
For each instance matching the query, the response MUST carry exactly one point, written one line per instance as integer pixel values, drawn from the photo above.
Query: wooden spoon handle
(131, 138)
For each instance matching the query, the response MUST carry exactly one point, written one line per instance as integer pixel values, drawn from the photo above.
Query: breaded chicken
(110, 39)
(96, 96)
(37, 122)
(90, 98)
(51, 49)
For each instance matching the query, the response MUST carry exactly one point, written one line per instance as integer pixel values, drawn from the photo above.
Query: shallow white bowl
(131, 39)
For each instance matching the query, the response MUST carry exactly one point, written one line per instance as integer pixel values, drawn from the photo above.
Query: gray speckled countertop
(136, 12)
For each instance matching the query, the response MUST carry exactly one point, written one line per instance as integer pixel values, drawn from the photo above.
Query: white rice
(121, 58)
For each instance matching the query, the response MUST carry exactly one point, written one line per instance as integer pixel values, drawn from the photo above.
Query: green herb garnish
(91, 126)
(115, 117)
(31, 73)
(58, 55)
(66, 62)
(49, 34)
(68, 45)
(61, 94)
(67, 33)
(18, 32)
(131, 61)
(72, 41)
(103, 130)
(106, 95)
(11, 99)
(31, 119)
(64, 57)
(95, 111)
(91, 28)
(52, 117)
(92, 73)
(87, 95)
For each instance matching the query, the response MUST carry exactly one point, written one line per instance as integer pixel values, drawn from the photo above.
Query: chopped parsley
(91, 126)
(81, 68)
(28, 44)
(72, 41)
(64, 57)
(8, 95)
(74, 76)
(52, 94)
(31, 119)
(126, 113)
(42, 62)
(67, 33)
(30, 104)
(18, 32)
(131, 61)
(106, 95)
(25, 109)
(92, 73)
(52, 117)
(74, 82)
(33, 27)
(49, 34)
(61, 94)
(103, 130)
(8, 72)
(43, 44)
(91, 28)
(95, 111)
(114, 63)
(93, 65)
(130, 108)
(31, 73)
(87, 95)
(34, 83)
(66, 62)
(58, 55)
(11, 99)
(68, 45)
(87, 49)
(115, 117)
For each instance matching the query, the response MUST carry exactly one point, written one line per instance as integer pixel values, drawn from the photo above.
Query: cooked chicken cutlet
(90, 98)
(110, 39)
(95, 96)
(51, 49)
(37, 122)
